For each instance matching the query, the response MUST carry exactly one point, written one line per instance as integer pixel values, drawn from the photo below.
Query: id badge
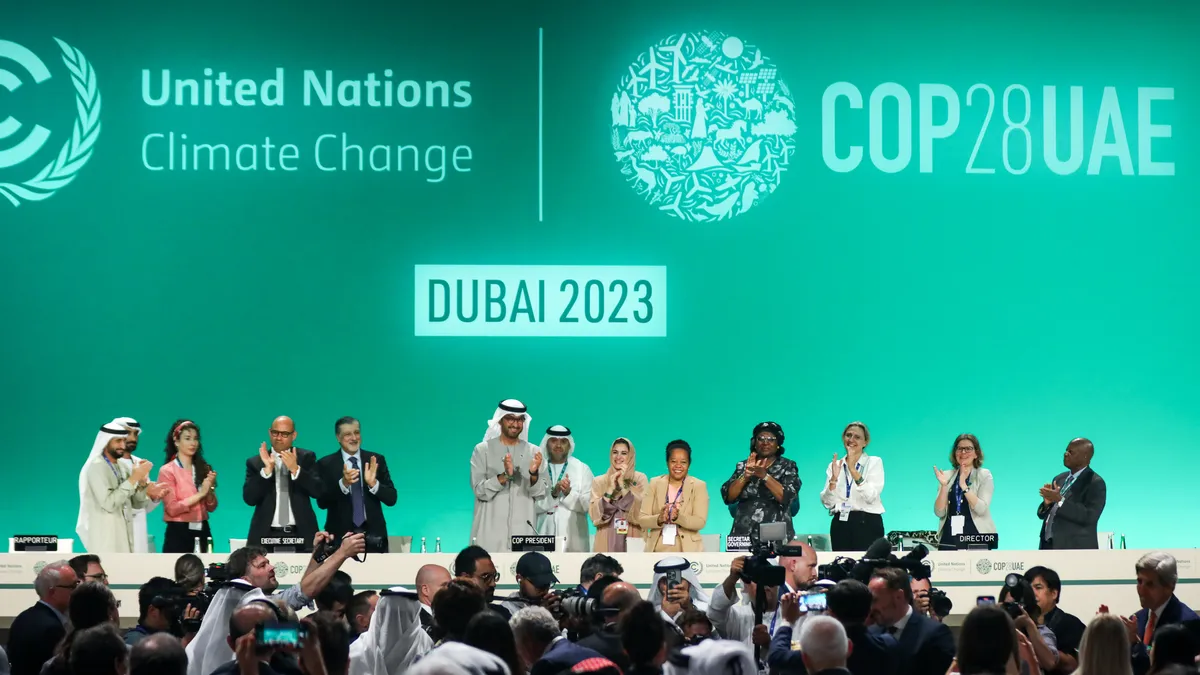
(196, 527)
(622, 526)
(844, 516)
(956, 525)
(669, 533)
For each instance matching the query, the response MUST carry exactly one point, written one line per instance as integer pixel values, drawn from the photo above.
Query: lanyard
(112, 467)
(774, 618)
(1067, 484)
(673, 502)
(846, 473)
(554, 479)
(958, 496)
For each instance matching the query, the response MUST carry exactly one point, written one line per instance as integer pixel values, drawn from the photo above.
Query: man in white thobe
(141, 535)
(563, 510)
(506, 478)
(108, 493)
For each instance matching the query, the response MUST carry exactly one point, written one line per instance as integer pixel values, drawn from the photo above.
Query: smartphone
(814, 602)
(985, 600)
(279, 634)
(674, 578)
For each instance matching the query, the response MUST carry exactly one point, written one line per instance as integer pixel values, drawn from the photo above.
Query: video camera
(1022, 599)
(878, 556)
(575, 603)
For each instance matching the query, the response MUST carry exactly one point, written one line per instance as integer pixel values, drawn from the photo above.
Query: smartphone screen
(985, 600)
(280, 635)
(674, 578)
(815, 602)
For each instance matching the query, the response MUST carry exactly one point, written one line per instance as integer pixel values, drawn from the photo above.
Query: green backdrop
(1025, 307)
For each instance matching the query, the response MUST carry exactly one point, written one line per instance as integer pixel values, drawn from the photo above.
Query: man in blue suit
(926, 646)
(1156, 578)
(541, 645)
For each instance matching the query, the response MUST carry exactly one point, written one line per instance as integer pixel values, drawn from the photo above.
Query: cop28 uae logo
(702, 126)
(76, 150)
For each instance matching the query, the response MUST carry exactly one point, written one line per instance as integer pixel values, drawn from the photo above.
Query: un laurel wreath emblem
(77, 150)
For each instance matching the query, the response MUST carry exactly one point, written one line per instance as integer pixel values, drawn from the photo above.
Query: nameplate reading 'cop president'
(540, 301)
(532, 542)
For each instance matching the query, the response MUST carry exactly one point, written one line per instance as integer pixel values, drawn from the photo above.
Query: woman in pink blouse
(193, 490)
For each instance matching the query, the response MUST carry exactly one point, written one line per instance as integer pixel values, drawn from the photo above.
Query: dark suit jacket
(562, 655)
(873, 654)
(926, 646)
(339, 510)
(1075, 522)
(32, 638)
(1174, 612)
(607, 641)
(259, 492)
(231, 668)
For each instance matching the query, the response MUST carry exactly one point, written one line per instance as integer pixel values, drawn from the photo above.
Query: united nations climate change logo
(76, 150)
(702, 126)
(984, 566)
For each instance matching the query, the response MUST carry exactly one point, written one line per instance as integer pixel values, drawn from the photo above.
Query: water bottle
(810, 541)
(210, 545)
(437, 545)
(474, 541)
(196, 545)
(422, 544)
(1122, 542)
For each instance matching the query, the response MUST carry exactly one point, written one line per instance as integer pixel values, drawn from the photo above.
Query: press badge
(844, 511)
(622, 526)
(668, 534)
(956, 525)
(196, 526)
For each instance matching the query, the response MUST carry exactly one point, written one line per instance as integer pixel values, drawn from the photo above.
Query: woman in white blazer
(963, 503)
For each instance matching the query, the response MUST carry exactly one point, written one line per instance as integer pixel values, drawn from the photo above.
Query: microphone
(531, 527)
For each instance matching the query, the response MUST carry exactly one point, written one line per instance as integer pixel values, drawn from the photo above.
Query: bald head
(430, 580)
(801, 570)
(621, 595)
(1079, 454)
(246, 617)
(158, 654)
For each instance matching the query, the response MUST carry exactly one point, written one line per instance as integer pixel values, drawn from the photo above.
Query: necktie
(1054, 507)
(892, 630)
(285, 495)
(1151, 623)
(356, 497)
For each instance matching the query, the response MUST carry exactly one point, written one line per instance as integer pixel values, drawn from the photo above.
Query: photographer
(1068, 629)
(734, 620)
(615, 597)
(850, 603)
(929, 601)
(535, 578)
(250, 563)
(1017, 598)
(162, 607)
(684, 595)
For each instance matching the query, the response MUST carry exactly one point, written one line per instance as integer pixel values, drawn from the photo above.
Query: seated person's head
(534, 629)
(475, 563)
(455, 605)
(849, 601)
(245, 620)
(336, 595)
(158, 654)
(99, 650)
(695, 625)
(334, 635)
(156, 616)
(986, 642)
(91, 605)
(360, 609)
(643, 634)
(618, 596)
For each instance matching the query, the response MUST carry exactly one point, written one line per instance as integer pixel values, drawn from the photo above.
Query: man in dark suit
(850, 603)
(1073, 501)
(286, 471)
(355, 485)
(1157, 575)
(36, 631)
(926, 646)
(241, 630)
(541, 645)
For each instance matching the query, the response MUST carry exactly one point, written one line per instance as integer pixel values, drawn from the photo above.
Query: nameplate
(532, 542)
(737, 544)
(35, 542)
(976, 542)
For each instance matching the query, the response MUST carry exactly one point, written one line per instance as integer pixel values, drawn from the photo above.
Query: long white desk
(1090, 578)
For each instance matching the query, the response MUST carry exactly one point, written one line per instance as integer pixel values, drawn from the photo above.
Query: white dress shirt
(278, 496)
(735, 620)
(361, 470)
(903, 622)
(865, 497)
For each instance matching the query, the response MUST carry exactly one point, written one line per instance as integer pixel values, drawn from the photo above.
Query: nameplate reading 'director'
(540, 301)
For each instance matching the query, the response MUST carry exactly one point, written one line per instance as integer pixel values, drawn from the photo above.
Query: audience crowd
(233, 619)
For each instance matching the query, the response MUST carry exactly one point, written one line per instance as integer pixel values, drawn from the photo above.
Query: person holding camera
(763, 488)
(535, 584)
(162, 607)
(676, 588)
(735, 620)
(356, 485)
(853, 486)
(1017, 598)
(964, 494)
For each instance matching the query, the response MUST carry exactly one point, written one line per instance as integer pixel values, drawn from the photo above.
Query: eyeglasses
(281, 434)
(965, 450)
(489, 577)
(97, 577)
(69, 587)
(766, 439)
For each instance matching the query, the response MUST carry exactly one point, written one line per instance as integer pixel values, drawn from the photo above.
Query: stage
(1090, 578)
